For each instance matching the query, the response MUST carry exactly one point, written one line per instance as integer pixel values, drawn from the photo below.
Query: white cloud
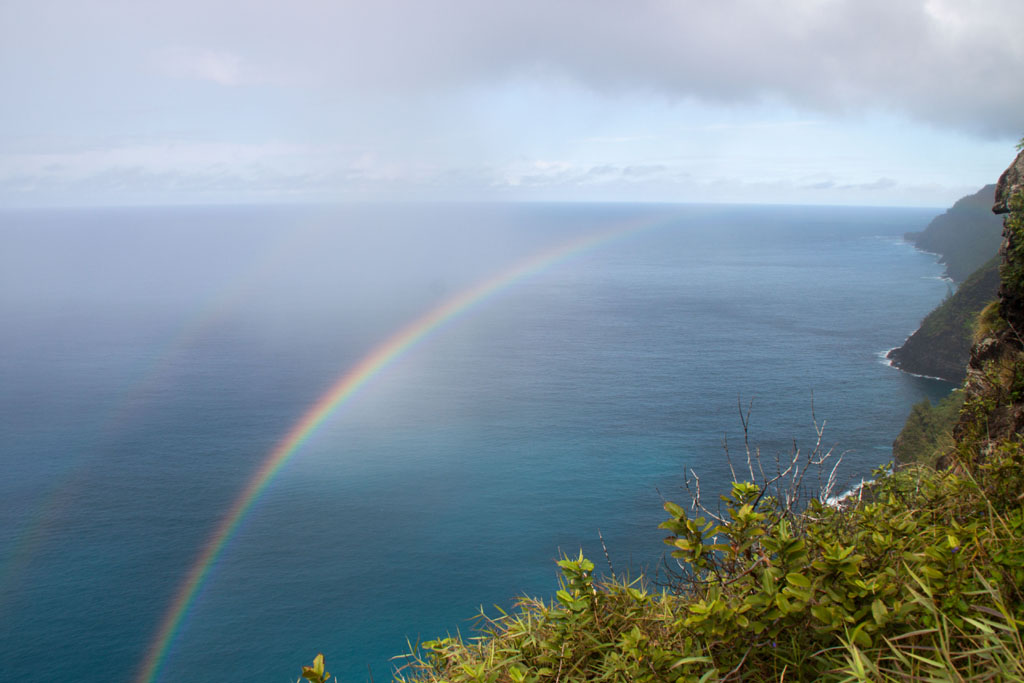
(190, 172)
(952, 63)
(618, 139)
(171, 156)
(202, 64)
(619, 99)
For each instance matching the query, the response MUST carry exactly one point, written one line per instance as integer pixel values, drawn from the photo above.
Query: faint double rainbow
(50, 506)
(342, 390)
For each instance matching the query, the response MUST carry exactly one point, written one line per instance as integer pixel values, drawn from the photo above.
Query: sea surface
(152, 359)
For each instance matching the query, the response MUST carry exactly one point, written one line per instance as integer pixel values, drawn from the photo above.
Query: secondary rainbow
(338, 394)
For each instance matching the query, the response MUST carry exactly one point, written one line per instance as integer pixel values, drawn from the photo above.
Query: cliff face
(1011, 182)
(1010, 201)
(993, 413)
(941, 346)
(965, 237)
(927, 435)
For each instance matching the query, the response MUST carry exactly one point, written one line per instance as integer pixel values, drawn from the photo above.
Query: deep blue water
(150, 359)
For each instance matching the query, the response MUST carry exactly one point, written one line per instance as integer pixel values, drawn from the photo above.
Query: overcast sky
(887, 102)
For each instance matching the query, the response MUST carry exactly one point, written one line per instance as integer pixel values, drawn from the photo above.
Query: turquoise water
(152, 359)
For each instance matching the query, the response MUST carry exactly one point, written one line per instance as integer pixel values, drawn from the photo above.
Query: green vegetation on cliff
(942, 344)
(923, 583)
(965, 236)
(927, 435)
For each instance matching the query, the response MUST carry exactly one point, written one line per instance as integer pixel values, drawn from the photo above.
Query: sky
(864, 102)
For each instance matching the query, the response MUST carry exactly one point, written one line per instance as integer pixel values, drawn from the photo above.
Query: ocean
(234, 437)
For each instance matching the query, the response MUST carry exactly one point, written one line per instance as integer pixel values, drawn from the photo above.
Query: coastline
(940, 346)
(885, 359)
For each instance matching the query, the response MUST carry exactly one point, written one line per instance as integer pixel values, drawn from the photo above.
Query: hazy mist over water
(151, 359)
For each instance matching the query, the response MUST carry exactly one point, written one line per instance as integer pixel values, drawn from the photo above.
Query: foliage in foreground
(922, 583)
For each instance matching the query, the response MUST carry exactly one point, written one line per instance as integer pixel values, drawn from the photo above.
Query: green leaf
(798, 580)
(709, 675)
(879, 611)
(822, 614)
(860, 637)
(674, 510)
(800, 594)
(688, 660)
(757, 600)
(316, 672)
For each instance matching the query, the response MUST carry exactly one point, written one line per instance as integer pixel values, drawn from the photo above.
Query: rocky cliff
(942, 344)
(965, 237)
(993, 414)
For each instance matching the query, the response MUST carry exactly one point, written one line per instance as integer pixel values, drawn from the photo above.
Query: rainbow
(339, 393)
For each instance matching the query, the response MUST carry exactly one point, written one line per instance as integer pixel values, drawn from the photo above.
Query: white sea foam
(836, 501)
(883, 357)
(895, 241)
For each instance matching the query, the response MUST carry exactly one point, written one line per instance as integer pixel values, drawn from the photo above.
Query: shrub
(924, 580)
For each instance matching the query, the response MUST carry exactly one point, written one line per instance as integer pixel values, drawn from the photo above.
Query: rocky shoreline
(966, 239)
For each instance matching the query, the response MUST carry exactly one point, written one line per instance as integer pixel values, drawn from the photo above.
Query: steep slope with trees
(942, 344)
(966, 237)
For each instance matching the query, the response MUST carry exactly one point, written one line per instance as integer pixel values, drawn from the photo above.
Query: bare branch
(607, 557)
(728, 459)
